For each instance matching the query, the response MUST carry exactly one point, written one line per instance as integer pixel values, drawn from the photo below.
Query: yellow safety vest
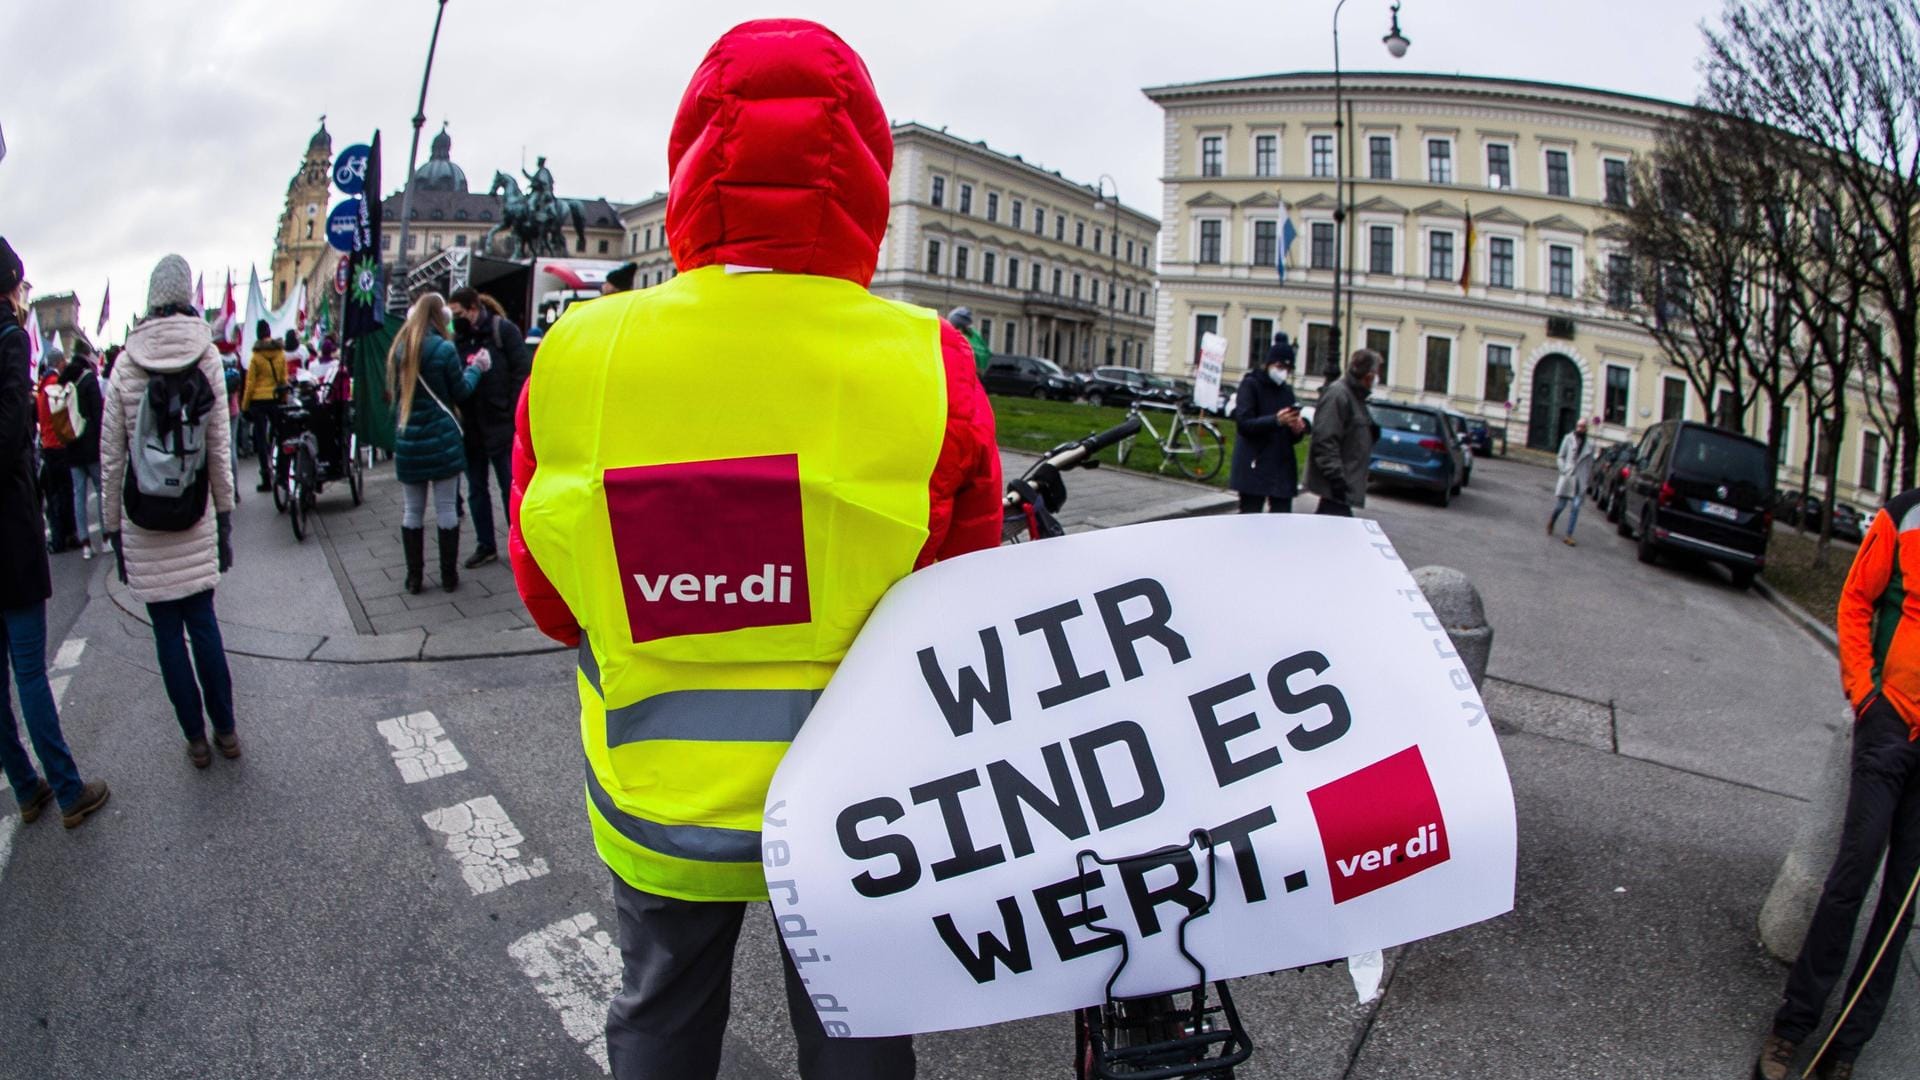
(732, 469)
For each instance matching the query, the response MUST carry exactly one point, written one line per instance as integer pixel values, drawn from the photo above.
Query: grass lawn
(1031, 424)
(1791, 572)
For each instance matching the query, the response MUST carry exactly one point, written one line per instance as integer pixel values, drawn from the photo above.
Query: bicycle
(1189, 1034)
(1194, 446)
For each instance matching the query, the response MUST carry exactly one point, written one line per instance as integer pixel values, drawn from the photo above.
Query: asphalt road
(299, 913)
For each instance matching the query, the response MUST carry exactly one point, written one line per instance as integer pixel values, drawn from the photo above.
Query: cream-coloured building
(646, 226)
(1046, 265)
(1531, 342)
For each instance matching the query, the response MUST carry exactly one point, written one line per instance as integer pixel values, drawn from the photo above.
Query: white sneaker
(86, 550)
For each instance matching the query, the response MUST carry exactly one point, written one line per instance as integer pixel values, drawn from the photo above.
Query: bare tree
(1843, 76)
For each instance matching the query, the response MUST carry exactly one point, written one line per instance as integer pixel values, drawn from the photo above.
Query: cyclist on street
(713, 559)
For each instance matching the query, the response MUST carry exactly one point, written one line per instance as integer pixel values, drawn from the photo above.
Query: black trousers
(56, 492)
(1333, 508)
(1883, 816)
(1275, 504)
(676, 980)
(260, 420)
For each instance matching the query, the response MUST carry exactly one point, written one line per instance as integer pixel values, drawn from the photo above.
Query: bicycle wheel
(1124, 448)
(280, 479)
(296, 501)
(308, 467)
(1198, 451)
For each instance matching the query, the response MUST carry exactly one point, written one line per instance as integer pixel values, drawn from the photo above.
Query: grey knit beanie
(171, 284)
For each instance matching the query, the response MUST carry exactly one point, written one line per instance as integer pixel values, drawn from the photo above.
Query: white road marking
(58, 684)
(69, 654)
(7, 825)
(421, 749)
(577, 969)
(485, 843)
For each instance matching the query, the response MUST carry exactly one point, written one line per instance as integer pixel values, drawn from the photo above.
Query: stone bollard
(1796, 889)
(1457, 605)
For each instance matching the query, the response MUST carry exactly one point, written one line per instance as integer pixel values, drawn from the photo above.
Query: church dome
(322, 142)
(440, 173)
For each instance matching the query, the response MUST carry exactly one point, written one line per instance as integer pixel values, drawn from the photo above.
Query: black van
(1703, 490)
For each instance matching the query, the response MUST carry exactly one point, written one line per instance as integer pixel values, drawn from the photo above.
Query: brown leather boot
(31, 809)
(93, 796)
(228, 742)
(1776, 1058)
(199, 753)
(1836, 1069)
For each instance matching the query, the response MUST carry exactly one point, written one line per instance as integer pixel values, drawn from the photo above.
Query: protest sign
(1112, 692)
(1206, 381)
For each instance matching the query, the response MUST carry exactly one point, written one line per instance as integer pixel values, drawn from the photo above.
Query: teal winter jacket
(430, 445)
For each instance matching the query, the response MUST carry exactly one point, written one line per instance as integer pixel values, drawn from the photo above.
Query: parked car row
(1809, 511)
(1421, 447)
(1688, 487)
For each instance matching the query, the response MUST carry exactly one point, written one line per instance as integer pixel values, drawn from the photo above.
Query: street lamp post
(1396, 44)
(413, 155)
(1113, 241)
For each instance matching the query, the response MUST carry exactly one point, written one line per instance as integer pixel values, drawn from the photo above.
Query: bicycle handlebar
(1086, 448)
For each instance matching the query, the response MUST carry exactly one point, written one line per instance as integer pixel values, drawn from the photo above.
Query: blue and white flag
(1287, 233)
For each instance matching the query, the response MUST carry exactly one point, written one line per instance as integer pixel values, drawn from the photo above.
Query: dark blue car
(1416, 449)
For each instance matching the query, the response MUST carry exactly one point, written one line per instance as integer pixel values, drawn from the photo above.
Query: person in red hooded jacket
(713, 558)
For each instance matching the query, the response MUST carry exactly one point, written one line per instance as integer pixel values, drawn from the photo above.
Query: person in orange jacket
(1879, 625)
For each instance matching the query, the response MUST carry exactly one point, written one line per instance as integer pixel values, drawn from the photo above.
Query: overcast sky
(139, 127)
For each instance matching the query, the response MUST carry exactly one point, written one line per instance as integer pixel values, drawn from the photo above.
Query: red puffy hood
(779, 156)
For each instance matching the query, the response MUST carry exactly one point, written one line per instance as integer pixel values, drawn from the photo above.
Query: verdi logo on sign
(1107, 692)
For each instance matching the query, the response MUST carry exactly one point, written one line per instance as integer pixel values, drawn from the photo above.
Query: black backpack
(166, 484)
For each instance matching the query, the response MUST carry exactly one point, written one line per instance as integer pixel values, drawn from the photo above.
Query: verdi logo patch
(1379, 825)
(704, 547)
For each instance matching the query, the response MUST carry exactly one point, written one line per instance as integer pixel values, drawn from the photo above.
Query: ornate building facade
(300, 249)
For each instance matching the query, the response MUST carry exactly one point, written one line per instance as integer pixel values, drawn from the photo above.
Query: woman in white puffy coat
(174, 572)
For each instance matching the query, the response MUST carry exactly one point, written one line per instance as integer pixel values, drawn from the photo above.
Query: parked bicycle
(313, 444)
(1192, 445)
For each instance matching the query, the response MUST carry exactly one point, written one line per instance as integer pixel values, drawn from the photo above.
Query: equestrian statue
(535, 222)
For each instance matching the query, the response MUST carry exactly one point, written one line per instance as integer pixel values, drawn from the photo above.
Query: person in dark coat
(26, 581)
(83, 453)
(1340, 455)
(479, 323)
(1269, 423)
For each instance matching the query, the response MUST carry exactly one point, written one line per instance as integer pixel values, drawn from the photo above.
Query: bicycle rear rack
(1178, 1035)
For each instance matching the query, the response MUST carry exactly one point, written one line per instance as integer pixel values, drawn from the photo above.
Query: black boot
(450, 558)
(414, 543)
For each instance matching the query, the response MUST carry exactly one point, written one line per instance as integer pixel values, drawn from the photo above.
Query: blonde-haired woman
(424, 373)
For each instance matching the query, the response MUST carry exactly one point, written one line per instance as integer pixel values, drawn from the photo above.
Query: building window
(1202, 326)
(1380, 157)
(1056, 281)
(1500, 263)
(1266, 242)
(1210, 240)
(1012, 340)
(986, 331)
(1380, 249)
(1499, 165)
(1616, 173)
(413, 241)
(1439, 161)
(960, 256)
(1619, 281)
(1381, 342)
(1726, 412)
(1439, 378)
(939, 191)
(1033, 279)
(1210, 163)
(1320, 349)
(386, 242)
(993, 206)
(462, 242)
(1259, 336)
(933, 256)
(986, 267)
(1499, 373)
(1126, 299)
(1039, 221)
(1266, 155)
(1079, 234)
(1559, 176)
(1619, 379)
(1440, 256)
(1673, 398)
(1099, 237)
(1129, 251)
(1076, 286)
(1013, 272)
(1018, 206)
(1559, 269)
(1322, 155)
(1320, 245)
(649, 238)
(1060, 227)
(966, 198)
(1869, 461)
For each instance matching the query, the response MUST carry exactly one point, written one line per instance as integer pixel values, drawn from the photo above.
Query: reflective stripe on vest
(733, 468)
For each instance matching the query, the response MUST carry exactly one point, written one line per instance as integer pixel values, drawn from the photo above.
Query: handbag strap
(421, 379)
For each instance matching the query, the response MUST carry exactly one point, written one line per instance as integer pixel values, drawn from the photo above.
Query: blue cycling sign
(350, 169)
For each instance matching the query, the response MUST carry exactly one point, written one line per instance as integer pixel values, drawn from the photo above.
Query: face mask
(462, 323)
(1280, 376)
